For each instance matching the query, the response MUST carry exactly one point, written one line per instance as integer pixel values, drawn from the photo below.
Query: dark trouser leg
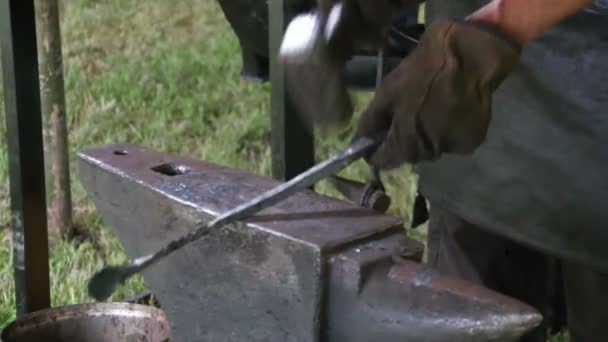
(587, 302)
(466, 251)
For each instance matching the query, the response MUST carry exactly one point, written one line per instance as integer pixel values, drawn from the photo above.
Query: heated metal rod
(104, 282)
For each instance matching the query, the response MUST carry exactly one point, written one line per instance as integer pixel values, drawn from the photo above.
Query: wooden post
(52, 97)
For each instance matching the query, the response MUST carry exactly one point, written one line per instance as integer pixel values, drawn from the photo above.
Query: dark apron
(541, 177)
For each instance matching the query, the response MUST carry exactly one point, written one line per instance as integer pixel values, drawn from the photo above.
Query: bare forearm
(526, 20)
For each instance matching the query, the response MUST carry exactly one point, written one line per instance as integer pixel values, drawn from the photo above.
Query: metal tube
(25, 153)
(292, 142)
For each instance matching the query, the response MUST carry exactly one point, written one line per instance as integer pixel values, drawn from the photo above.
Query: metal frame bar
(292, 143)
(26, 155)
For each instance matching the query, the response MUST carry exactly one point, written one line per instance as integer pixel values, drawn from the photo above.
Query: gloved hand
(438, 100)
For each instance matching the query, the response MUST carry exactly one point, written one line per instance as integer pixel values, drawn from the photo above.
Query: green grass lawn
(164, 74)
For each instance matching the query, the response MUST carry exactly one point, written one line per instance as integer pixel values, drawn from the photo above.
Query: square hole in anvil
(171, 169)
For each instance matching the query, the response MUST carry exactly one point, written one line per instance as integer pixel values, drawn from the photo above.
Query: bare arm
(526, 20)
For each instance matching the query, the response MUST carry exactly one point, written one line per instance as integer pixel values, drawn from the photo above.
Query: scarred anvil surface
(311, 268)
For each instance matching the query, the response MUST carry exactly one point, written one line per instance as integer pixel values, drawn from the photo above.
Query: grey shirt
(541, 177)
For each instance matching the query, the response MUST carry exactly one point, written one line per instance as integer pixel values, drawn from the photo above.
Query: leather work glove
(438, 100)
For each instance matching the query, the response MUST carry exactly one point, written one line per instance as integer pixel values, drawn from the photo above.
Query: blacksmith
(503, 108)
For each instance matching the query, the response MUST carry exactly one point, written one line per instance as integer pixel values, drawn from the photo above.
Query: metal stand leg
(26, 156)
(292, 144)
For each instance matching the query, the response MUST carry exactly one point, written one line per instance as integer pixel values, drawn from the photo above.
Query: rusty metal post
(26, 156)
(292, 143)
(52, 96)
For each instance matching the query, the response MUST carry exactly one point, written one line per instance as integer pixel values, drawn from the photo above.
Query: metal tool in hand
(103, 283)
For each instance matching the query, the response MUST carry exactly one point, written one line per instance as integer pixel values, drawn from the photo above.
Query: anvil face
(311, 268)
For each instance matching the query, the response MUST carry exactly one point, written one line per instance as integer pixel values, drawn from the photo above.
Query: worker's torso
(541, 177)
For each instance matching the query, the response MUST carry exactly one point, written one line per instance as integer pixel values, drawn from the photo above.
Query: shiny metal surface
(103, 283)
(103, 322)
(311, 268)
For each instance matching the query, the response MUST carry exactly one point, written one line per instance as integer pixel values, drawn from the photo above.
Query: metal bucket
(99, 322)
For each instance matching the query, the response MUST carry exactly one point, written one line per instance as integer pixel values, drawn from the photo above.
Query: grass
(163, 74)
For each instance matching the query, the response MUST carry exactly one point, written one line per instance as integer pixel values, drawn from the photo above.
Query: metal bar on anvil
(292, 143)
(26, 156)
(310, 268)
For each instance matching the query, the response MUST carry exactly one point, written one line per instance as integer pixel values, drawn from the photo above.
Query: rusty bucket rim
(71, 311)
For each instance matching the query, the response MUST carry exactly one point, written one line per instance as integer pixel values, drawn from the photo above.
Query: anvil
(311, 268)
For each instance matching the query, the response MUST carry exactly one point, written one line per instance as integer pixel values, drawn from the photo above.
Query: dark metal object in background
(26, 156)
(101, 322)
(250, 16)
(249, 20)
(370, 195)
(292, 142)
(311, 268)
